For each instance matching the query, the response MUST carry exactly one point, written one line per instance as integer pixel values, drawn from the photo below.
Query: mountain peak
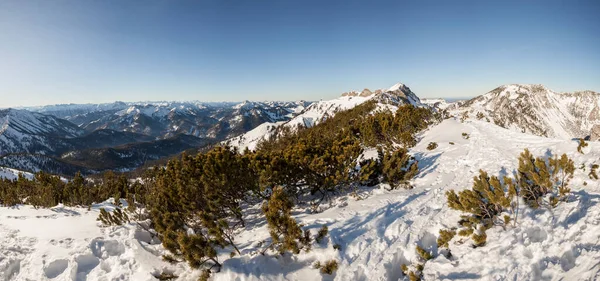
(396, 87)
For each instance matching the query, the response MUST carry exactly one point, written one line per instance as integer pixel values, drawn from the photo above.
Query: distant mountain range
(65, 139)
(93, 137)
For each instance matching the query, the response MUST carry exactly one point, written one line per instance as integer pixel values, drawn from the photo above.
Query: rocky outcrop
(595, 133)
(536, 110)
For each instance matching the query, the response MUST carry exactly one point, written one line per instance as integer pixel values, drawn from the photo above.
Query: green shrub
(593, 175)
(404, 269)
(285, 232)
(424, 254)
(321, 234)
(116, 217)
(538, 177)
(445, 237)
(329, 267)
(582, 144)
(432, 146)
(398, 167)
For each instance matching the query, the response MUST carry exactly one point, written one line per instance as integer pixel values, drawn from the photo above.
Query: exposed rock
(536, 110)
(365, 93)
(595, 133)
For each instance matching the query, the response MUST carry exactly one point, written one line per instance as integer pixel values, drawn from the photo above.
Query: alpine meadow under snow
(373, 232)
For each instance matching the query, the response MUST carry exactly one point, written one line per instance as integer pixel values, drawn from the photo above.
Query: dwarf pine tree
(479, 237)
(9, 193)
(581, 145)
(116, 217)
(75, 192)
(445, 237)
(194, 201)
(398, 167)
(593, 175)
(424, 254)
(538, 177)
(484, 202)
(285, 232)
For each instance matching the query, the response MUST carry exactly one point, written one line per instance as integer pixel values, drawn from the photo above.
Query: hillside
(386, 99)
(29, 132)
(377, 233)
(537, 110)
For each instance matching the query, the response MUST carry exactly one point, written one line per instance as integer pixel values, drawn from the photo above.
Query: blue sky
(224, 50)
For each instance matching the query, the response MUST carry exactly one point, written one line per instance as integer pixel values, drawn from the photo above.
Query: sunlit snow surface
(377, 234)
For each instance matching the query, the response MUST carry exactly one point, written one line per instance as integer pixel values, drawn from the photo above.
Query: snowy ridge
(377, 234)
(13, 174)
(390, 99)
(537, 110)
(29, 132)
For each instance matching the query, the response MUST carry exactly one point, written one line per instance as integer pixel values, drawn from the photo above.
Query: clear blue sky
(100, 51)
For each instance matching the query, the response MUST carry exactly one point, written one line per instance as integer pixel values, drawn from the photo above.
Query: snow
(396, 87)
(321, 110)
(536, 109)
(13, 174)
(377, 234)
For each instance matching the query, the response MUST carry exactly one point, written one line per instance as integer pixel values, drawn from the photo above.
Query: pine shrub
(432, 146)
(322, 233)
(166, 276)
(404, 269)
(424, 254)
(593, 175)
(582, 144)
(285, 232)
(330, 267)
(399, 167)
(483, 202)
(445, 237)
(116, 217)
(479, 238)
(412, 276)
(538, 177)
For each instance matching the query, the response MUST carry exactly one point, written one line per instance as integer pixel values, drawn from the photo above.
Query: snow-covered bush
(286, 234)
(398, 168)
(537, 177)
(582, 144)
(593, 175)
(432, 146)
(484, 203)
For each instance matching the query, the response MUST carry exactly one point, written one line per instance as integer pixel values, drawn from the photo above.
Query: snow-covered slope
(22, 131)
(13, 174)
(537, 110)
(377, 234)
(387, 99)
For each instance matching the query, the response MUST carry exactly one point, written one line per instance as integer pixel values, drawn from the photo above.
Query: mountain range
(93, 137)
(67, 138)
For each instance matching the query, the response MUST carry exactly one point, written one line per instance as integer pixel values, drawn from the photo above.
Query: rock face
(595, 133)
(536, 110)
